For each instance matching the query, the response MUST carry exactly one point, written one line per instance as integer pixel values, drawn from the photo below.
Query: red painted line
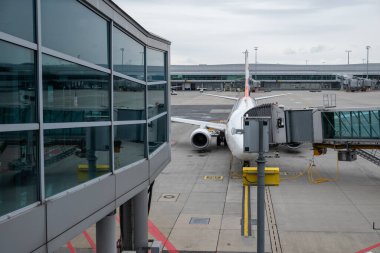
(90, 241)
(70, 247)
(153, 230)
(159, 236)
(369, 248)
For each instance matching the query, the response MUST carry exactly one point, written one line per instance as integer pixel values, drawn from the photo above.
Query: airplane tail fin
(246, 88)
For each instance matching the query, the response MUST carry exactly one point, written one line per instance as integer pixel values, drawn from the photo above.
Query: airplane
(201, 89)
(201, 137)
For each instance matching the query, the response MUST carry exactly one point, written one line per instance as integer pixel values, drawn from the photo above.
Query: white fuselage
(235, 121)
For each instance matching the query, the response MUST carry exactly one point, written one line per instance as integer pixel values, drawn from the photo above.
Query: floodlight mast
(348, 56)
(367, 47)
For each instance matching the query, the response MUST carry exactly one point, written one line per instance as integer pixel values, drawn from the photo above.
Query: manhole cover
(202, 221)
(170, 197)
(217, 178)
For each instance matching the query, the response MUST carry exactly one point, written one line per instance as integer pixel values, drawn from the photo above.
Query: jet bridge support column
(105, 234)
(140, 212)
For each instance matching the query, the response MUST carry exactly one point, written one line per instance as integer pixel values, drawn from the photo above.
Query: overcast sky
(285, 31)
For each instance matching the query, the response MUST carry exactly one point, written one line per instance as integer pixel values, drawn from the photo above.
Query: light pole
(255, 62)
(306, 62)
(348, 56)
(367, 47)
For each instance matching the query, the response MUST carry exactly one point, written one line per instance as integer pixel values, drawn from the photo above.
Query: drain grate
(201, 221)
(216, 178)
(169, 197)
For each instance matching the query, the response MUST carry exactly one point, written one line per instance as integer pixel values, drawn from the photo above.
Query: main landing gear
(221, 138)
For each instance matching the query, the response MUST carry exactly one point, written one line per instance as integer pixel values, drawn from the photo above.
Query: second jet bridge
(347, 129)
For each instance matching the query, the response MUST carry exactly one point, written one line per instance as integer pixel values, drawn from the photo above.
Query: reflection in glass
(74, 156)
(17, 84)
(156, 65)
(73, 93)
(129, 100)
(157, 133)
(17, 18)
(128, 55)
(156, 99)
(129, 144)
(71, 28)
(18, 170)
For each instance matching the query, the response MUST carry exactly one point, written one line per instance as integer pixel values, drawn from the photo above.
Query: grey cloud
(304, 30)
(290, 51)
(317, 49)
(294, 7)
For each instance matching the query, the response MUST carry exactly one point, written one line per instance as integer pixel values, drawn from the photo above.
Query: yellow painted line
(246, 205)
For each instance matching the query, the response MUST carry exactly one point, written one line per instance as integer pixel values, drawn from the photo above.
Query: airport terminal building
(84, 124)
(270, 76)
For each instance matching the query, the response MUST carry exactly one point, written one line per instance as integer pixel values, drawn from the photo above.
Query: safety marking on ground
(169, 197)
(153, 230)
(156, 233)
(70, 247)
(367, 250)
(253, 222)
(272, 225)
(90, 241)
(246, 226)
(199, 221)
(216, 178)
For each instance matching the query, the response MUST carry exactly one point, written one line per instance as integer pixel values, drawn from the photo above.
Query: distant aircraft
(201, 137)
(201, 89)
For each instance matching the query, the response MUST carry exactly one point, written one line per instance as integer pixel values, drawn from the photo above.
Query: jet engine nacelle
(200, 138)
(293, 145)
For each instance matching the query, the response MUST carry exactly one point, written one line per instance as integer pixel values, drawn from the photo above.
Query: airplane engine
(293, 145)
(200, 138)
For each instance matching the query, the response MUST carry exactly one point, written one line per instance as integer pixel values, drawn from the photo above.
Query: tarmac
(202, 214)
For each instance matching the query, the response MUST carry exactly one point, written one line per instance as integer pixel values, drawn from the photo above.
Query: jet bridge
(349, 130)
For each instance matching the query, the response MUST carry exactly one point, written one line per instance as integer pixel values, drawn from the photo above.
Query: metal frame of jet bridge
(338, 128)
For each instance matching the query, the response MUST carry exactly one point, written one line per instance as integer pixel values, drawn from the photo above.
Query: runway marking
(70, 247)
(90, 241)
(369, 248)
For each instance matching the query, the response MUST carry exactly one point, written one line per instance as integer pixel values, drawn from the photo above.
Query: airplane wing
(203, 124)
(272, 96)
(218, 96)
